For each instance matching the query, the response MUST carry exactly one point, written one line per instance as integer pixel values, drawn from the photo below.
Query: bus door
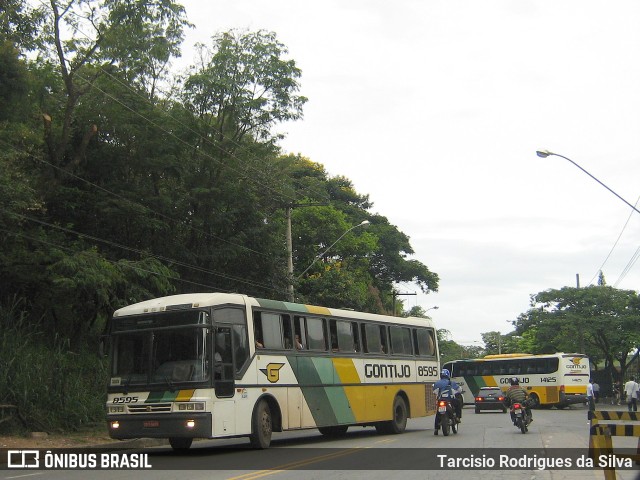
(224, 413)
(223, 368)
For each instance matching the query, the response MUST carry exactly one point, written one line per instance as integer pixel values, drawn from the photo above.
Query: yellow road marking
(289, 466)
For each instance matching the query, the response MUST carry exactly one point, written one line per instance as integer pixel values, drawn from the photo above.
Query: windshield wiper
(172, 387)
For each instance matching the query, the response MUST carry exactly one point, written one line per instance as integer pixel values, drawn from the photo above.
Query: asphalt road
(554, 436)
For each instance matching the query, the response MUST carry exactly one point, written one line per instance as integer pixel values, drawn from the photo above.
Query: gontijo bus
(557, 379)
(216, 365)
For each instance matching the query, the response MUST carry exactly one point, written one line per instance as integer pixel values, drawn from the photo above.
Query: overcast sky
(436, 109)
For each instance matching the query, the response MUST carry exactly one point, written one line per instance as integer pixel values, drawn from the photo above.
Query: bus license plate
(151, 424)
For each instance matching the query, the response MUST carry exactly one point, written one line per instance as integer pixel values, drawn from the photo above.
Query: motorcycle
(446, 417)
(521, 415)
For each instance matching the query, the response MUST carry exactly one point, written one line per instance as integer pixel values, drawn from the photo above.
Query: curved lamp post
(319, 256)
(547, 153)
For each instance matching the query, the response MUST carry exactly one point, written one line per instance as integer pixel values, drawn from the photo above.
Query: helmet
(445, 373)
(514, 381)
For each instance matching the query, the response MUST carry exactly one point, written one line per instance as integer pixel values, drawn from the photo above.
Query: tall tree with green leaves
(600, 321)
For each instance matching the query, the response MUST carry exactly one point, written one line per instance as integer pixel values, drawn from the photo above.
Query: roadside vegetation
(121, 180)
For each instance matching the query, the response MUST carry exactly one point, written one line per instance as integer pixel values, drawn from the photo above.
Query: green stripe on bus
(163, 396)
(272, 304)
(328, 404)
(474, 384)
(336, 395)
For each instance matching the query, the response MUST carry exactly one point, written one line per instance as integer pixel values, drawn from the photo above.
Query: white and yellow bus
(557, 379)
(216, 365)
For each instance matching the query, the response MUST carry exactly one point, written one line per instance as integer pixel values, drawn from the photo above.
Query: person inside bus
(299, 345)
(447, 388)
(517, 394)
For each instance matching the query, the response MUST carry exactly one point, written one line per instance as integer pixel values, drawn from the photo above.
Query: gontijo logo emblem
(576, 365)
(272, 372)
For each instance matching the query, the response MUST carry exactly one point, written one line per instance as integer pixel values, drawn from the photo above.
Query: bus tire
(180, 444)
(400, 412)
(261, 426)
(534, 400)
(336, 431)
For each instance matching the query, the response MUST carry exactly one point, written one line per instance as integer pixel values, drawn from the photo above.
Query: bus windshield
(167, 356)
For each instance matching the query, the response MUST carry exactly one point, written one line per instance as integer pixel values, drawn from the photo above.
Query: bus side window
(371, 338)
(357, 344)
(333, 336)
(269, 330)
(347, 333)
(316, 334)
(287, 332)
(299, 332)
(384, 343)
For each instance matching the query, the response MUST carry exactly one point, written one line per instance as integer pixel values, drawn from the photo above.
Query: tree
(102, 36)
(496, 343)
(243, 85)
(451, 350)
(600, 321)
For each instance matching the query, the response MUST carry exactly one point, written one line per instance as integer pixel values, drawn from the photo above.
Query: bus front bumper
(183, 425)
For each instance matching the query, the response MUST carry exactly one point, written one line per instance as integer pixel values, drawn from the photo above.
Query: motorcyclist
(517, 394)
(445, 388)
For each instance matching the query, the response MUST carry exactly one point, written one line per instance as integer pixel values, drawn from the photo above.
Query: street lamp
(547, 153)
(319, 256)
(435, 307)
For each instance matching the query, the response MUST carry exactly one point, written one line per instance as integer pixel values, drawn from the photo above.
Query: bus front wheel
(262, 426)
(180, 444)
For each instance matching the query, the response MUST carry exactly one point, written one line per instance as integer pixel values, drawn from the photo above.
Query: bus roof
(506, 356)
(199, 300)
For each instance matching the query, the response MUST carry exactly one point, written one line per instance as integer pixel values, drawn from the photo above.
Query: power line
(614, 246)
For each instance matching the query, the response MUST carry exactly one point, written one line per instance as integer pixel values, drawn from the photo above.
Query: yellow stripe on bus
(319, 310)
(185, 395)
(346, 370)
(489, 381)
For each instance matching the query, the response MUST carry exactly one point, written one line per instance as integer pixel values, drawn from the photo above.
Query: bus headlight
(115, 425)
(191, 423)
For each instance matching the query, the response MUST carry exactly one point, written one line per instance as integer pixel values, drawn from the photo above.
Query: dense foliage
(121, 181)
(600, 321)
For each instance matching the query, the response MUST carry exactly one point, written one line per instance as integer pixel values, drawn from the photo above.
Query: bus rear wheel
(399, 418)
(180, 444)
(262, 426)
(534, 400)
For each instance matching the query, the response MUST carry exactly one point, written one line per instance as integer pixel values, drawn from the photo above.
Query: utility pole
(394, 295)
(289, 210)
(289, 256)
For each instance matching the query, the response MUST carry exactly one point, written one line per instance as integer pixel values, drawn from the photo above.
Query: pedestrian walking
(631, 389)
(617, 387)
(590, 398)
(596, 392)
